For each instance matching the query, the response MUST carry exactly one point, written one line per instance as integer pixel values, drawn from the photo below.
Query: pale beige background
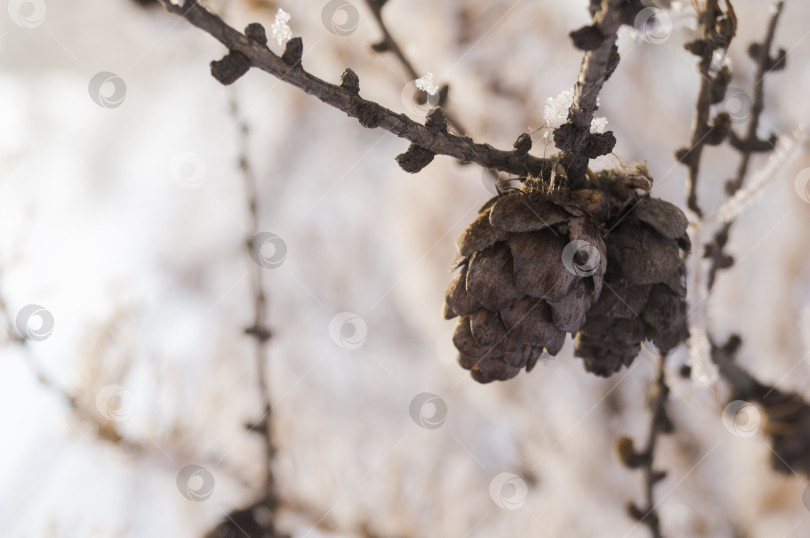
(147, 282)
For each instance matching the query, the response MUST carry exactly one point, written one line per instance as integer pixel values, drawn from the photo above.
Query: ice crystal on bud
(280, 29)
(598, 125)
(720, 59)
(426, 84)
(556, 110)
(556, 113)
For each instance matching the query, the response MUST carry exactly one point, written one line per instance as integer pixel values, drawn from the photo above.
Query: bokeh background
(123, 213)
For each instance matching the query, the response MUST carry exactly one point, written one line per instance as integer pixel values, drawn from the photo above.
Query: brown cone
(645, 289)
(529, 268)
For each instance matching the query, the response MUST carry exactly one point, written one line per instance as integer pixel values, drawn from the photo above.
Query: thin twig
(389, 44)
(712, 88)
(105, 429)
(598, 40)
(347, 99)
(645, 459)
(259, 331)
(595, 69)
(751, 143)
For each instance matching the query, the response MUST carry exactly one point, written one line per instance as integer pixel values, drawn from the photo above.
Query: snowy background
(127, 223)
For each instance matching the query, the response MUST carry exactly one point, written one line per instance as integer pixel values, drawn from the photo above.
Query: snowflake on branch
(280, 29)
(426, 84)
(556, 113)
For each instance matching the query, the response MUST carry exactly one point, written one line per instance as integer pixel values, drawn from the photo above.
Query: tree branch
(718, 29)
(788, 414)
(389, 44)
(659, 423)
(432, 137)
(598, 40)
(268, 501)
(751, 144)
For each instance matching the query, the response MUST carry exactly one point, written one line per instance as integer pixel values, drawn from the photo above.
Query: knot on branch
(369, 114)
(523, 144)
(778, 63)
(770, 63)
(698, 47)
(714, 252)
(350, 81)
(381, 46)
(415, 159)
(587, 38)
(255, 33)
(565, 137)
(755, 145)
(293, 52)
(599, 144)
(570, 139)
(648, 517)
(718, 31)
(232, 66)
(719, 129)
(436, 120)
(262, 334)
(628, 455)
(719, 85)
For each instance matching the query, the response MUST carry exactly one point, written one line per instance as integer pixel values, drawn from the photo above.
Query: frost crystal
(556, 113)
(426, 84)
(280, 29)
(598, 125)
(556, 110)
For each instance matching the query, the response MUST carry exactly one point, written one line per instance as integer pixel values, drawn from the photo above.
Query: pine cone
(645, 289)
(530, 267)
